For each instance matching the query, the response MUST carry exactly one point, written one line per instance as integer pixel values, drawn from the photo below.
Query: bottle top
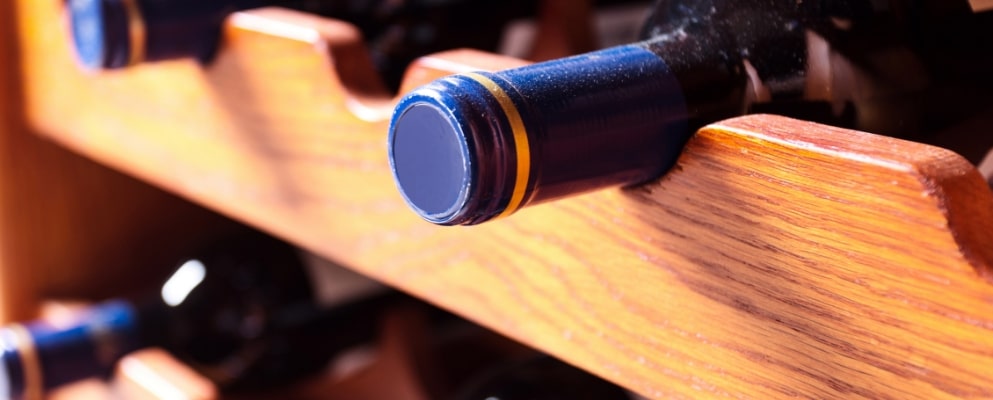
(106, 33)
(434, 144)
(431, 160)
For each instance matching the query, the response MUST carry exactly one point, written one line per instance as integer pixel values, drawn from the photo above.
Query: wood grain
(781, 259)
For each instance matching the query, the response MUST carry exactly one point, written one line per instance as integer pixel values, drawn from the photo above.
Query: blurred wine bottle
(113, 34)
(471, 147)
(539, 378)
(242, 313)
(409, 29)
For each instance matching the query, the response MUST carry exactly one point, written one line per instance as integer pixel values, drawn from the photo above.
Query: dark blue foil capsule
(472, 147)
(38, 356)
(112, 34)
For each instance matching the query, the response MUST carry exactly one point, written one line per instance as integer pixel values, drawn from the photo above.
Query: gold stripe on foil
(26, 350)
(521, 144)
(136, 32)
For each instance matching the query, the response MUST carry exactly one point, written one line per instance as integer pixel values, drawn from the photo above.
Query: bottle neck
(618, 116)
(40, 355)
(713, 78)
(472, 147)
(183, 28)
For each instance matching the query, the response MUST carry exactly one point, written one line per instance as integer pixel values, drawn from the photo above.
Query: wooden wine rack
(781, 258)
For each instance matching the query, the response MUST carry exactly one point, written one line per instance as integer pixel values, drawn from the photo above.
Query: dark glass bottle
(112, 34)
(540, 377)
(242, 313)
(472, 147)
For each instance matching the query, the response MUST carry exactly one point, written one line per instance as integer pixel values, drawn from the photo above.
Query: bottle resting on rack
(241, 313)
(471, 147)
(539, 377)
(113, 34)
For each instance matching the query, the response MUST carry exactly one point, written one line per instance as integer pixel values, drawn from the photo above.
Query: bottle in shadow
(241, 312)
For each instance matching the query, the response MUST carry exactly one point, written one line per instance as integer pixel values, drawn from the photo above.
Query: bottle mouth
(106, 34)
(452, 152)
(430, 158)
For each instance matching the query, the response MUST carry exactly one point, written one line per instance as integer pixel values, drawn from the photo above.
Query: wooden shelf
(780, 259)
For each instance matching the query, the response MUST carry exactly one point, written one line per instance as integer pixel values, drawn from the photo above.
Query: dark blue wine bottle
(114, 34)
(241, 312)
(472, 147)
(37, 356)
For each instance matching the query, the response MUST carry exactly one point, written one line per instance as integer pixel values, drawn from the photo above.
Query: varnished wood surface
(781, 259)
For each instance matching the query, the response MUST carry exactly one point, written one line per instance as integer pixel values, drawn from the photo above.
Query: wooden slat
(780, 259)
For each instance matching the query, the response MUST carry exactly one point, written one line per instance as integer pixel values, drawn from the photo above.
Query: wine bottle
(241, 312)
(540, 377)
(409, 29)
(113, 34)
(472, 147)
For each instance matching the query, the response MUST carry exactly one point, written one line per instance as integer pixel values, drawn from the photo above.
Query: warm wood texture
(781, 259)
